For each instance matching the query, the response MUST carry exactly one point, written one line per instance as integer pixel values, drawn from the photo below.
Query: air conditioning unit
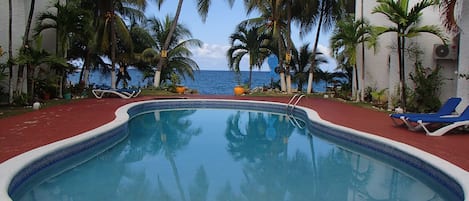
(445, 52)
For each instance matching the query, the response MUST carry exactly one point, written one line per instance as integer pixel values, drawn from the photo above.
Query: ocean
(206, 82)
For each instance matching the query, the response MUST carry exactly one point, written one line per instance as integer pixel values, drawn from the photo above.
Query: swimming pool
(347, 143)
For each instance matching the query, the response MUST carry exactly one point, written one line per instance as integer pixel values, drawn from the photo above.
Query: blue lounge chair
(449, 122)
(446, 109)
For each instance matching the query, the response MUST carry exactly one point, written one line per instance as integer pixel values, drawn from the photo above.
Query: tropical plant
(347, 35)
(69, 21)
(272, 20)
(344, 66)
(202, 7)
(405, 21)
(247, 41)
(33, 58)
(178, 52)
(111, 33)
(427, 88)
(448, 11)
(25, 45)
(323, 14)
(301, 64)
(379, 96)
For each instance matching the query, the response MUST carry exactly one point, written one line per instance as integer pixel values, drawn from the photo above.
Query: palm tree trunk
(357, 88)
(28, 25)
(401, 49)
(10, 53)
(250, 70)
(163, 58)
(313, 60)
(362, 90)
(113, 48)
(26, 45)
(281, 52)
(289, 46)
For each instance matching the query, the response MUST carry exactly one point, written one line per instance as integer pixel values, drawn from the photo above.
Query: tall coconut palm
(178, 52)
(247, 41)
(405, 21)
(347, 35)
(322, 14)
(273, 21)
(203, 7)
(301, 63)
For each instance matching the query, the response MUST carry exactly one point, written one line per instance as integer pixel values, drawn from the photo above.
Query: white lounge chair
(123, 93)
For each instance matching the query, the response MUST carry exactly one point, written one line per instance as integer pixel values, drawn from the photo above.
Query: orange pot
(180, 89)
(238, 90)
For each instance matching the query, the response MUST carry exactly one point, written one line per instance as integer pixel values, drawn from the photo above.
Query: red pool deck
(27, 131)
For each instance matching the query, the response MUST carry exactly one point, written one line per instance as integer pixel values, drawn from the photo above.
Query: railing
(292, 103)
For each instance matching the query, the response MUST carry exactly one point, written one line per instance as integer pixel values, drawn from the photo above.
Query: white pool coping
(13, 166)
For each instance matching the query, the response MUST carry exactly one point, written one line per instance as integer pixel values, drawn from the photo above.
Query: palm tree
(68, 21)
(25, 45)
(203, 7)
(110, 26)
(347, 35)
(33, 57)
(323, 14)
(247, 41)
(405, 21)
(448, 11)
(301, 64)
(344, 66)
(178, 52)
(272, 21)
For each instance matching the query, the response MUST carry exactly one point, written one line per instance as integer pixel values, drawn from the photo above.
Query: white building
(20, 13)
(381, 67)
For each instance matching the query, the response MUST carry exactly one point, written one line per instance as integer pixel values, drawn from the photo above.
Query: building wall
(20, 12)
(463, 65)
(381, 65)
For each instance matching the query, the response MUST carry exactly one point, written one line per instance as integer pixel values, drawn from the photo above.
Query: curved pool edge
(10, 168)
(458, 174)
(13, 166)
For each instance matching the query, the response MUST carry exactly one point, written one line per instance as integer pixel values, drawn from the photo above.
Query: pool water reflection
(224, 154)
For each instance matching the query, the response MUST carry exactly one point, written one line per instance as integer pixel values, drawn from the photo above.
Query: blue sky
(220, 24)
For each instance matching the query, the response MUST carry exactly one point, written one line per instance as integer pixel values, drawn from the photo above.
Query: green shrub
(428, 83)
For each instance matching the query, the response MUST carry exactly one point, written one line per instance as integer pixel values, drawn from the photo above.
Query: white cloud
(213, 57)
(328, 53)
(325, 50)
(214, 51)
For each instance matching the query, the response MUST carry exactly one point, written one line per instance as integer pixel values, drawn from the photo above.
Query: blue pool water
(232, 154)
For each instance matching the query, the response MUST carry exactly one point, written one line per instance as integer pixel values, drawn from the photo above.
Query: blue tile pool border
(112, 136)
(86, 149)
